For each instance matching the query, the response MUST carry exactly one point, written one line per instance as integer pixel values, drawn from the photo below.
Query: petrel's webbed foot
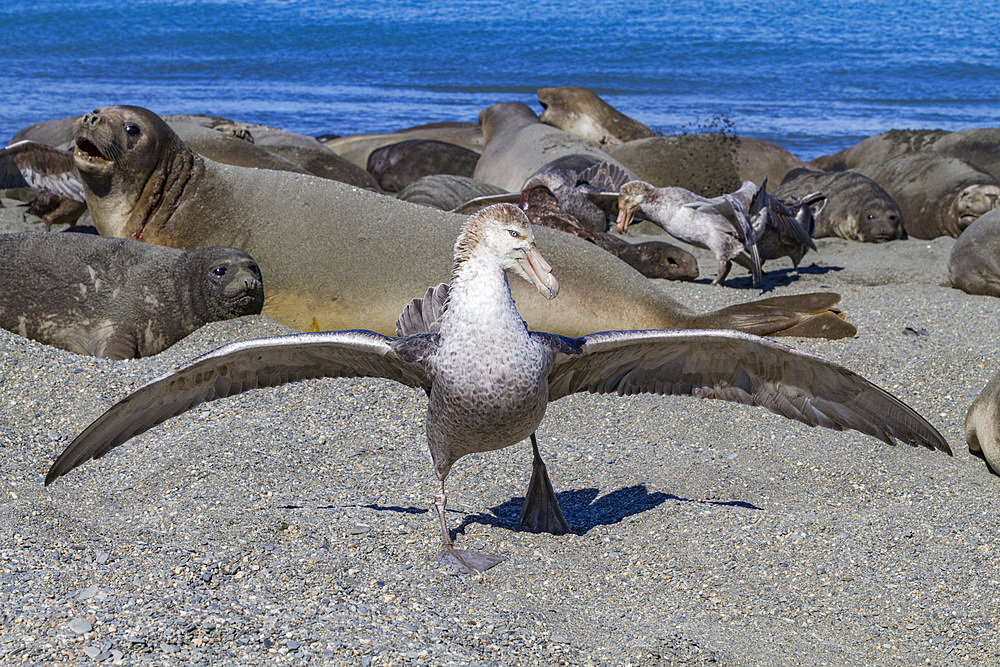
(466, 562)
(541, 512)
(459, 560)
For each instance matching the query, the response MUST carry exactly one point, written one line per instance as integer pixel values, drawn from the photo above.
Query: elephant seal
(581, 112)
(397, 165)
(227, 148)
(878, 148)
(119, 298)
(321, 161)
(705, 164)
(517, 144)
(982, 425)
(979, 147)
(938, 195)
(265, 147)
(358, 147)
(856, 207)
(55, 132)
(974, 263)
(337, 257)
(446, 192)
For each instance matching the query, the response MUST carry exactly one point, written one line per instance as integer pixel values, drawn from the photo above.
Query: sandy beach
(296, 525)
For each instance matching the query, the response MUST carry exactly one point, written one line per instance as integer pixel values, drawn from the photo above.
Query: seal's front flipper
(541, 512)
(808, 315)
(466, 562)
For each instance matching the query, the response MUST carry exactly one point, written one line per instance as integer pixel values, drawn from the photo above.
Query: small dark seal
(119, 298)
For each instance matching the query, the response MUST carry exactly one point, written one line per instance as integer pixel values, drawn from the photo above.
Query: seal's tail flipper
(806, 315)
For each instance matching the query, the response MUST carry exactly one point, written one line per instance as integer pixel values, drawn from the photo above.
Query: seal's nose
(92, 118)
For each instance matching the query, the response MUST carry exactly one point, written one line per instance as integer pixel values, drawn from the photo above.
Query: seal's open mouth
(89, 152)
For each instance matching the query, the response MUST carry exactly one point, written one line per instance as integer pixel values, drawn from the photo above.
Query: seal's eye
(219, 271)
(513, 233)
(254, 269)
(132, 129)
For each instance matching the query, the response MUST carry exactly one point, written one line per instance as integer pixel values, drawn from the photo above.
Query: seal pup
(856, 208)
(982, 425)
(489, 379)
(325, 246)
(119, 298)
(721, 224)
(974, 262)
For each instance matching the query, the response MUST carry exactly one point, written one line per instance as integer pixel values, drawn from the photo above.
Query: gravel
(295, 525)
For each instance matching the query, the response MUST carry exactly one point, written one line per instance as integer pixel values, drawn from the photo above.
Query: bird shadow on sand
(584, 510)
(774, 277)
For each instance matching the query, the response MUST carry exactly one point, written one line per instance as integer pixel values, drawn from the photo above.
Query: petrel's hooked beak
(625, 210)
(539, 272)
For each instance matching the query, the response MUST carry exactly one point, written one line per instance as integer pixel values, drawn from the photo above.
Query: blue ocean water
(811, 76)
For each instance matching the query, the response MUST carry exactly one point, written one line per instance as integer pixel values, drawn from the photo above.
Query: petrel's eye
(132, 129)
(513, 233)
(219, 271)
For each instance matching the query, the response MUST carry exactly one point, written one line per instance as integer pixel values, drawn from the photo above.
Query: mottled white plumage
(718, 224)
(489, 379)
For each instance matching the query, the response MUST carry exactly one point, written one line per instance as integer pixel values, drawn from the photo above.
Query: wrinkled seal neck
(163, 193)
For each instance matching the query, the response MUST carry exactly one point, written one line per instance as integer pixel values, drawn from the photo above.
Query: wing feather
(40, 167)
(742, 368)
(239, 367)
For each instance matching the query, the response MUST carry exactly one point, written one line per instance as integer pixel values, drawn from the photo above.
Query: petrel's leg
(724, 266)
(541, 512)
(464, 562)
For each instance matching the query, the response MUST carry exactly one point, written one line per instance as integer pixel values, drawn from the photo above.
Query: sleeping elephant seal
(337, 257)
(397, 165)
(982, 425)
(357, 147)
(229, 148)
(938, 195)
(119, 298)
(856, 207)
(445, 192)
(581, 112)
(878, 148)
(517, 144)
(974, 263)
(978, 146)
